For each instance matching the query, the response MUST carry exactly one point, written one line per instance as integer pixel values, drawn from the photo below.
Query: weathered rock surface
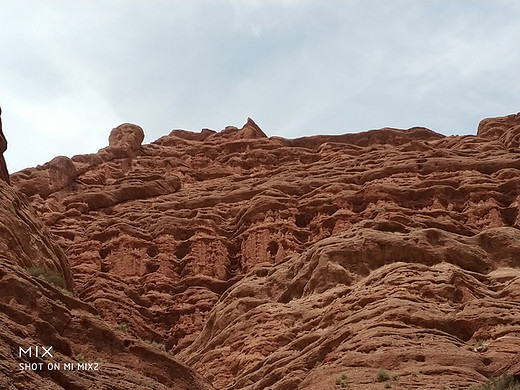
(26, 242)
(416, 302)
(394, 249)
(37, 308)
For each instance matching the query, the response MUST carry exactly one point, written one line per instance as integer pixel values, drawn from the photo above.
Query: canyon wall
(269, 263)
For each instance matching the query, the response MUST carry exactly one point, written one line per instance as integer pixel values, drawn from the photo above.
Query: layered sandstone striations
(433, 308)
(394, 249)
(38, 309)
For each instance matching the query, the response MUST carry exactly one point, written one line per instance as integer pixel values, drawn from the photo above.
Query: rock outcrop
(4, 174)
(504, 129)
(26, 242)
(429, 306)
(39, 309)
(267, 263)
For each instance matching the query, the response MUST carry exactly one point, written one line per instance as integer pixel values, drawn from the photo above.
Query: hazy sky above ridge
(70, 71)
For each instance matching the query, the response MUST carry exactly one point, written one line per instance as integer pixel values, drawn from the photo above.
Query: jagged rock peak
(249, 131)
(252, 130)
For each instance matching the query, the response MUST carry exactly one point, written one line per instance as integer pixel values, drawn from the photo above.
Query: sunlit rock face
(270, 263)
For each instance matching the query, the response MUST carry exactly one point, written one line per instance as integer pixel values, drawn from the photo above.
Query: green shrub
(155, 344)
(48, 275)
(80, 358)
(383, 376)
(342, 381)
(122, 326)
(66, 292)
(505, 382)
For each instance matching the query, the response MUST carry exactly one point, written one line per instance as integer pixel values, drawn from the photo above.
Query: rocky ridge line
(156, 234)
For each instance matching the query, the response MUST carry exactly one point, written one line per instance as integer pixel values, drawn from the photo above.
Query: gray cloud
(72, 70)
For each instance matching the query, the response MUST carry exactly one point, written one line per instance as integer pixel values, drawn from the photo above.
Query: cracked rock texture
(38, 308)
(267, 263)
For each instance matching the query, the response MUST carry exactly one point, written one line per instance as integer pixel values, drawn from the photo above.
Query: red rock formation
(37, 308)
(26, 242)
(412, 301)
(392, 249)
(505, 129)
(4, 174)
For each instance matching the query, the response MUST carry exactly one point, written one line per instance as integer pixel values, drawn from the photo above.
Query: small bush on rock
(48, 275)
(505, 382)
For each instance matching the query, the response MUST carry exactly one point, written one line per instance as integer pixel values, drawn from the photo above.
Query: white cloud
(72, 70)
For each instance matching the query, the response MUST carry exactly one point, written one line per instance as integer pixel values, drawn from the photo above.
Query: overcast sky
(71, 70)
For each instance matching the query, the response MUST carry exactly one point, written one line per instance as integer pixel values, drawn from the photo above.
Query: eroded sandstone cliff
(267, 263)
(39, 309)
